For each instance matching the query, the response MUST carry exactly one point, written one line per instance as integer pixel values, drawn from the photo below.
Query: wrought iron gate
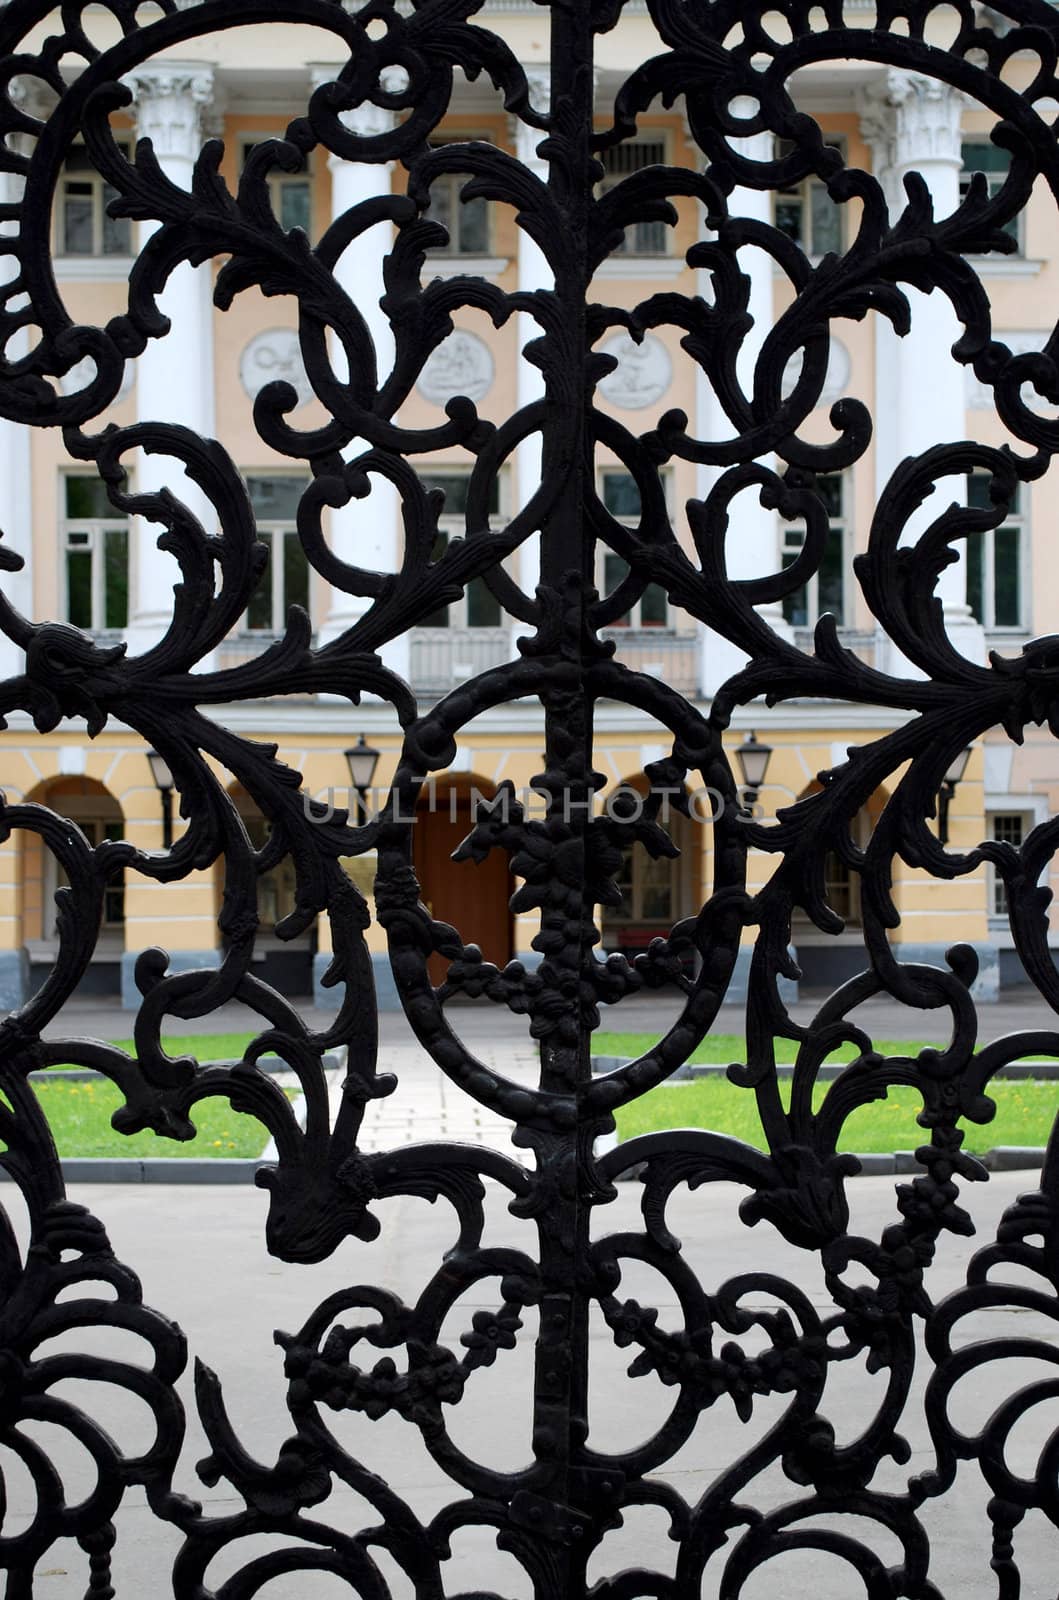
(731, 66)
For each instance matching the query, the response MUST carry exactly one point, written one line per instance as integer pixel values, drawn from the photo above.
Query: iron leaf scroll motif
(738, 1344)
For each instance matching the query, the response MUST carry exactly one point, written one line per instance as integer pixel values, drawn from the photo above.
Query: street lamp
(362, 763)
(953, 774)
(754, 761)
(163, 782)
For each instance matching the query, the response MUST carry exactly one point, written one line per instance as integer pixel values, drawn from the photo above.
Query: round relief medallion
(83, 373)
(272, 355)
(461, 364)
(836, 380)
(643, 373)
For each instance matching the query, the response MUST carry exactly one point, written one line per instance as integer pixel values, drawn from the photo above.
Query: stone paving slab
(202, 1261)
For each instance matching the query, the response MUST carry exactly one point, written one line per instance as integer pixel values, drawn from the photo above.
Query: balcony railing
(867, 644)
(658, 653)
(443, 657)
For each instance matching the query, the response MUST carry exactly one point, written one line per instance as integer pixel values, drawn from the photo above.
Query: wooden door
(472, 896)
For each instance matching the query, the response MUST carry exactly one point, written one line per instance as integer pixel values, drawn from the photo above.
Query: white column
(752, 548)
(366, 533)
(16, 521)
(174, 375)
(533, 273)
(913, 125)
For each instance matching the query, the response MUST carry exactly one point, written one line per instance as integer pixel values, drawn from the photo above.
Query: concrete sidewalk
(202, 1261)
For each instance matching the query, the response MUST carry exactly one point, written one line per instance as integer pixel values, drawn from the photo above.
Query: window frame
(811, 587)
(615, 918)
(96, 826)
(455, 181)
(643, 136)
(995, 181)
(278, 179)
(998, 908)
(1019, 521)
(454, 526)
(635, 624)
(99, 201)
(802, 194)
(96, 529)
(275, 570)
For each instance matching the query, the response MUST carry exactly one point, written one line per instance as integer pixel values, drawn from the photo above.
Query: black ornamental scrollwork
(741, 1342)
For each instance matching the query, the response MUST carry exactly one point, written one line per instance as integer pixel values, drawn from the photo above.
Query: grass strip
(722, 1048)
(203, 1046)
(1025, 1112)
(79, 1117)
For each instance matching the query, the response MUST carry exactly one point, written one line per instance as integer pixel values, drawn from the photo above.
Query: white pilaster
(174, 380)
(912, 123)
(533, 273)
(365, 533)
(16, 520)
(752, 548)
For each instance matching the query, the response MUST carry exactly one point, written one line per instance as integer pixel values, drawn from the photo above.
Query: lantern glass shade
(753, 761)
(163, 778)
(957, 766)
(362, 763)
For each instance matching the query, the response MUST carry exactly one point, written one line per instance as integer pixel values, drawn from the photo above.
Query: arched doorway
(286, 964)
(99, 816)
(471, 895)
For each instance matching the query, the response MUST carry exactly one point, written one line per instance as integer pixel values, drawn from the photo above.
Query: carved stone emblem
(271, 355)
(643, 373)
(836, 380)
(462, 364)
(83, 372)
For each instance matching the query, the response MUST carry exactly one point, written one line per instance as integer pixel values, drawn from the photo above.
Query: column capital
(909, 118)
(366, 120)
(170, 99)
(526, 138)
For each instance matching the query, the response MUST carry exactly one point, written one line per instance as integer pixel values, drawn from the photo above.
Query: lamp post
(753, 759)
(953, 774)
(163, 782)
(362, 761)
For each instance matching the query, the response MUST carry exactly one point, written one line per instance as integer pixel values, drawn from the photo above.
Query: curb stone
(223, 1169)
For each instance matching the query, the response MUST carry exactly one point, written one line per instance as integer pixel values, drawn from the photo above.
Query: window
(95, 829)
(995, 163)
(621, 161)
(478, 606)
(647, 886)
(466, 221)
(994, 561)
(1007, 827)
(95, 557)
(826, 589)
(290, 194)
(621, 498)
(841, 888)
(84, 228)
(285, 581)
(277, 888)
(805, 211)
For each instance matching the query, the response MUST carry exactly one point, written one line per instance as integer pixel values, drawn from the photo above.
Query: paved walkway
(201, 1257)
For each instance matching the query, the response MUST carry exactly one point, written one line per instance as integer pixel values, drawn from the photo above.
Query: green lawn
(203, 1046)
(1025, 1112)
(721, 1048)
(79, 1116)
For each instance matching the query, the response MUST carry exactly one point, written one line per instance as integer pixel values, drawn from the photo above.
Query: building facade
(99, 566)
